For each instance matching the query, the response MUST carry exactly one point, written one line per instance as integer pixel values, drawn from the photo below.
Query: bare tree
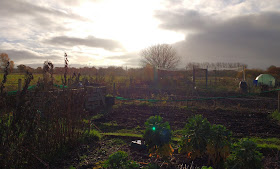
(162, 55)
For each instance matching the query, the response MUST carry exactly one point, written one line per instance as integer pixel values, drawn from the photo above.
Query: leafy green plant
(120, 160)
(245, 156)
(204, 167)
(275, 116)
(196, 135)
(218, 147)
(117, 160)
(157, 136)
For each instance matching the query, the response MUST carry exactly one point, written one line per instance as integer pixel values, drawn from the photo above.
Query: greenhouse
(266, 79)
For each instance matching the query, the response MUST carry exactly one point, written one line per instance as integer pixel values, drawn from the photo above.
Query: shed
(266, 79)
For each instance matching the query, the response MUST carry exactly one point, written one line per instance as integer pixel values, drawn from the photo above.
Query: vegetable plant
(218, 147)
(204, 167)
(157, 136)
(245, 156)
(120, 160)
(196, 135)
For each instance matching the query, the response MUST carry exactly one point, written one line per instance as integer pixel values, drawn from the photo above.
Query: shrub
(196, 135)
(120, 160)
(218, 147)
(245, 156)
(157, 136)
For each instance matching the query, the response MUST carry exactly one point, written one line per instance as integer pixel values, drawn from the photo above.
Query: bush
(196, 135)
(218, 147)
(245, 156)
(157, 137)
(120, 160)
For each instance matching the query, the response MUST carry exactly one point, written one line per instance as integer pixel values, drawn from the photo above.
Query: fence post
(278, 101)
(206, 74)
(114, 89)
(19, 85)
(193, 77)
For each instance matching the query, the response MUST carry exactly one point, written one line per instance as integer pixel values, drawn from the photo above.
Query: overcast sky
(112, 32)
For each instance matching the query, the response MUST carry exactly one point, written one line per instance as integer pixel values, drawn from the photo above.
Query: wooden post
(19, 85)
(206, 72)
(114, 89)
(215, 77)
(244, 73)
(193, 77)
(130, 86)
(278, 101)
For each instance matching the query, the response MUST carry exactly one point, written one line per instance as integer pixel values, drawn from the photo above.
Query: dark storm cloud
(183, 20)
(252, 39)
(89, 41)
(27, 56)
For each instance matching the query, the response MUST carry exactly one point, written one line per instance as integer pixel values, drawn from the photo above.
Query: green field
(12, 79)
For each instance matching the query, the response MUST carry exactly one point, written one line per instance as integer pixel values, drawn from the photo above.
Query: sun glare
(129, 22)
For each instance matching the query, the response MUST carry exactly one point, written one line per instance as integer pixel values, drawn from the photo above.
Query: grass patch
(122, 135)
(268, 143)
(96, 117)
(92, 135)
(136, 130)
(176, 139)
(111, 123)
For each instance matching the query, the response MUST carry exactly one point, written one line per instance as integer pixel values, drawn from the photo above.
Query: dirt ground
(242, 118)
(242, 123)
(90, 156)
